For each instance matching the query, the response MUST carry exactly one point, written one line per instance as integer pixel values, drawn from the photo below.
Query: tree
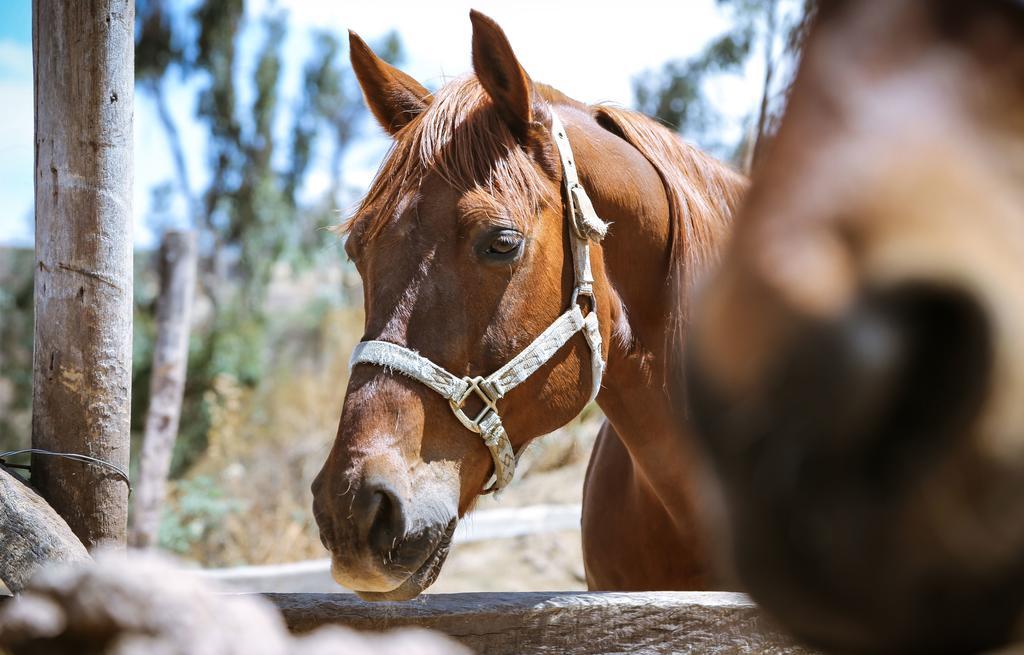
(167, 384)
(331, 102)
(676, 93)
(251, 213)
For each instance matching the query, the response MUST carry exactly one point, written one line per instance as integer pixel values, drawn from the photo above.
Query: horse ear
(393, 97)
(500, 74)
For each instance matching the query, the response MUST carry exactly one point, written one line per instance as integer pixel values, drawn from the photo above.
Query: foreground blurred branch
(178, 260)
(32, 533)
(142, 605)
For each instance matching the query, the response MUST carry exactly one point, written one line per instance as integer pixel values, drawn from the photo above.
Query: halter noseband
(585, 225)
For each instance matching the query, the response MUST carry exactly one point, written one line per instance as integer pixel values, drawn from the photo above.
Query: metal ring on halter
(475, 386)
(589, 293)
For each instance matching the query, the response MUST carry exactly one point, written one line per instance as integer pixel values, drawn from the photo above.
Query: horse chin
(420, 579)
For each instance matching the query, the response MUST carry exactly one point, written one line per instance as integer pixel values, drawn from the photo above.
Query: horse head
(467, 259)
(857, 365)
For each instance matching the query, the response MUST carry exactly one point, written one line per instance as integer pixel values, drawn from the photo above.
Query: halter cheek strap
(585, 226)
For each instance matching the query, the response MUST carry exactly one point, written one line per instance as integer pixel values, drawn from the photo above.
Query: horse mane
(703, 193)
(461, 137)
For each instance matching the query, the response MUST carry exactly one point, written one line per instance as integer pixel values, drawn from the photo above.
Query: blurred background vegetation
(279, 307)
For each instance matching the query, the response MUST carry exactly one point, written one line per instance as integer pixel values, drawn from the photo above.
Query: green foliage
(250, 212)
(331, 105)
(201, 506)
(155, 50)
(249, 215)
(675, 94)
(16, 333)
(236, 349)
(143, 338)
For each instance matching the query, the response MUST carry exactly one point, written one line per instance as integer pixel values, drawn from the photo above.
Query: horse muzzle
(384, 544)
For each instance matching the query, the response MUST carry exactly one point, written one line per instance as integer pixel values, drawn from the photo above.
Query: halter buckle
(476, 385)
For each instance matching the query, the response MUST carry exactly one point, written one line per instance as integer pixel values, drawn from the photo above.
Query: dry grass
(265, 446)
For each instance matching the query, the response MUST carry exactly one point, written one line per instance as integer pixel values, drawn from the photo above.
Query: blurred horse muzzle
(873, 391)
(826, 459)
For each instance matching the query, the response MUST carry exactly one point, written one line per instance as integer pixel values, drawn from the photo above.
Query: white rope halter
(585, 225)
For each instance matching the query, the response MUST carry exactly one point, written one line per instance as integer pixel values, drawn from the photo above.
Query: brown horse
(466, 250)
(857, 364)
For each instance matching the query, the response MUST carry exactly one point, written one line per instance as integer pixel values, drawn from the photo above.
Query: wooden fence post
(83, 60)
(167, 382)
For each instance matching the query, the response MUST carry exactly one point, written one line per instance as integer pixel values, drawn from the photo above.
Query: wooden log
(84, 79)
(32, 533)
(177, 263)
(559, 622)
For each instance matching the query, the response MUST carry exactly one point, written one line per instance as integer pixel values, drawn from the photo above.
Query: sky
(590, 50)
(15, 121)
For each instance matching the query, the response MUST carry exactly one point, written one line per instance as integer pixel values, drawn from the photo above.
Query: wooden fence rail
(559, 622)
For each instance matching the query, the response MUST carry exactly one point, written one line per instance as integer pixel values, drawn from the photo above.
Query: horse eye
(505, 244)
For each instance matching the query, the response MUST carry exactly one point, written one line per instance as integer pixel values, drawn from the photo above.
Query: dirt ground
(552, 473)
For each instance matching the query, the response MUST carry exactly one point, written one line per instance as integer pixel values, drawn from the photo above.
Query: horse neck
(628, 191)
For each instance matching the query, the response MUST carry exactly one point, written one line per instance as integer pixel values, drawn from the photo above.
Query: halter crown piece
(585, 226)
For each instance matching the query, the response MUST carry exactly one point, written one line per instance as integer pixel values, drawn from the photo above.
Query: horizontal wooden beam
(559, 622)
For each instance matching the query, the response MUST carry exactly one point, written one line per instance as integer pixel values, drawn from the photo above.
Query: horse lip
(422, 577)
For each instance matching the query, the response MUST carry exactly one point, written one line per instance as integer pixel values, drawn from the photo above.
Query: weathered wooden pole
(83, 53)
(167, 382)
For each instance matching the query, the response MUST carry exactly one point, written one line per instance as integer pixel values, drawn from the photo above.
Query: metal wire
(85, 459)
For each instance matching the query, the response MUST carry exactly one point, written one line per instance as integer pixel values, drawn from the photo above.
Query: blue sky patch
(16, 21)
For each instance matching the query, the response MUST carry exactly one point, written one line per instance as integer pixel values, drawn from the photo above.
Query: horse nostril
(944, 369)
(879, 389)
(384, 518)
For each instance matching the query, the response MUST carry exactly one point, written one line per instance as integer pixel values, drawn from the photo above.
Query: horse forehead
(477, 205)
(448, 210)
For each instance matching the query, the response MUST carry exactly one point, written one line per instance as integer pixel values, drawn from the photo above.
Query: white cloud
(15, 60)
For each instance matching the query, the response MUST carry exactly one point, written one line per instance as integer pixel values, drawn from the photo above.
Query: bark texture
(560, 622)
(177, 259)
(84, 78)
(31, 533)
(142, 606)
